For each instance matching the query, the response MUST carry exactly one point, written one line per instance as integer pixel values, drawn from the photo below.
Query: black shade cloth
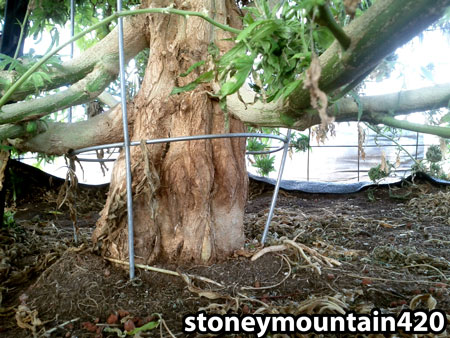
(339, 188)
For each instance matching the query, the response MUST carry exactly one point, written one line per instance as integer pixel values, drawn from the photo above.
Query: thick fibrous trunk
(189, 196)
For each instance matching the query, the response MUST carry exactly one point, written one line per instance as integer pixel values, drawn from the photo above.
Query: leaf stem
(443, 132)
(327, 19)
(22, 31)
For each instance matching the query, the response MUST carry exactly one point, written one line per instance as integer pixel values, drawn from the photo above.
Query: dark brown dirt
(392, 243)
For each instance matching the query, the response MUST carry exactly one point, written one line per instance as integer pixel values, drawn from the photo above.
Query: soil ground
(385, 248)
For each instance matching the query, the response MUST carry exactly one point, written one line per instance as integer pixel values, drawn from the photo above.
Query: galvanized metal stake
(72, 32)
(69, 117)
(277, 187)
(126, 144)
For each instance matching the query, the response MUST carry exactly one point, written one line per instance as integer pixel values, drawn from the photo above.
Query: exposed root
(167, 272)
(68, 193)
(300, 248)
(428, 266)
(145, 267)
(273, 248)
(397, 280)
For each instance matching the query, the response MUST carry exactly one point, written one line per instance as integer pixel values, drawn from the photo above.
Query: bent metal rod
(285, 147)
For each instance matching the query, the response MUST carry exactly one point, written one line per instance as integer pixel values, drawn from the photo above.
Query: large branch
(375, 109)
(60, 138)
(400, 103)
(385, 26)
(81, 92)
(76, 69)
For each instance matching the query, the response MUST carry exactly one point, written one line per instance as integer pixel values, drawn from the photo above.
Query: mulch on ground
(387, 248)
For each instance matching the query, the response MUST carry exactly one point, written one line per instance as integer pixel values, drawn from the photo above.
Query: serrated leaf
(37, 80)
(191, 68)
(44, 76)
(232, 54)
(248, 30)
(14, 64)
(231, 86)
(251, 12)
(243, 66)
(254, 144)
(266, 46)
(265, 31)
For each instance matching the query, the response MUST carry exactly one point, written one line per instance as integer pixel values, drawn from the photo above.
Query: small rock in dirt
(129, 325)
(123, 313)
(112, 319)
(366, 281)
(89, 326)
(107, 272)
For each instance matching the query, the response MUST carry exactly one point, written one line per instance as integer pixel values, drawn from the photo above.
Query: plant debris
(324, 254)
